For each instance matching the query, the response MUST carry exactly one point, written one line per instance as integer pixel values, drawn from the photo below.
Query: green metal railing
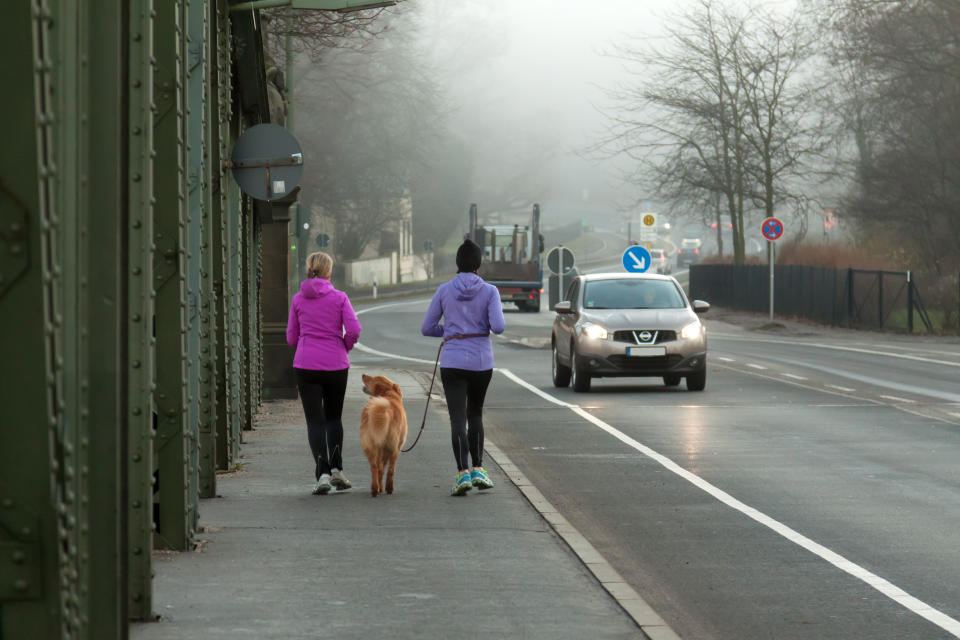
(130, 320)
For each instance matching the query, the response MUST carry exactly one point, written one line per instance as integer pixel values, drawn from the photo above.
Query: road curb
(530, 343)
(651, 624)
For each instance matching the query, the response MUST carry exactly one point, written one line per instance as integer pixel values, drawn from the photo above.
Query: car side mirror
(699, 306)
(563, 307)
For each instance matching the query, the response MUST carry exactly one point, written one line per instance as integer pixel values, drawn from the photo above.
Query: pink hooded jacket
(322, 326)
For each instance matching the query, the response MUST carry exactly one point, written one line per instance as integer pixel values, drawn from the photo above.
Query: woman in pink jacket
(323, 327)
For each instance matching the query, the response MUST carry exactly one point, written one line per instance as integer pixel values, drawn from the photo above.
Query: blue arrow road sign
(636, 259)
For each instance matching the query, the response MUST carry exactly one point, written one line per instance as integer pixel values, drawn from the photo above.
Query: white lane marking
(529, 387)
(756, 366)
(882, 585)
(391, 304)
(897, 398)
(790, 375)
(838, 387)
(836, 347)
(366, 349)
(897, 387)
(955, 415)
(725, 359)
(898, 407)
(383, 354)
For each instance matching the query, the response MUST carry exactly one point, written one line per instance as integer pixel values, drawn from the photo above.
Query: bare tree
(721, 113)
(904, 116)
(372, 119)
(786, 127)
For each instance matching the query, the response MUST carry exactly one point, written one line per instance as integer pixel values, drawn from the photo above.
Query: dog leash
(436, 363)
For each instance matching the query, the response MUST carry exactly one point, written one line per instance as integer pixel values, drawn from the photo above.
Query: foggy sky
(511, 66)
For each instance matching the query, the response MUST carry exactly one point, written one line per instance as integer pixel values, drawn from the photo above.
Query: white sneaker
(338, 480)
(323, 485)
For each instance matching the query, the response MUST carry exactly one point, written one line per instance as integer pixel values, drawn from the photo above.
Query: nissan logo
(645, 336)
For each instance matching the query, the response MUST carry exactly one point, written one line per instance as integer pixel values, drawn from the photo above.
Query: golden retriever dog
(383, 430)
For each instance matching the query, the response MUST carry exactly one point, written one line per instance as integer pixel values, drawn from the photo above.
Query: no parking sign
(772, 229)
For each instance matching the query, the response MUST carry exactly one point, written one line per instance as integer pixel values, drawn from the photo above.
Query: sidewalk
(277, 562)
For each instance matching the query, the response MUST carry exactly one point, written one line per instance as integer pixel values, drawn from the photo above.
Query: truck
(512, 258)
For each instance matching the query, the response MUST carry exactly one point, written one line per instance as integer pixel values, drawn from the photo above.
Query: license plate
(646, 351)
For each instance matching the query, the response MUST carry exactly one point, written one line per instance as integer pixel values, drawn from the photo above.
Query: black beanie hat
(469, 256)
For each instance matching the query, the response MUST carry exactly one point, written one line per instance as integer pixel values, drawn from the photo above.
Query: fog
(523, 73)
(510, 102)
(536, 73)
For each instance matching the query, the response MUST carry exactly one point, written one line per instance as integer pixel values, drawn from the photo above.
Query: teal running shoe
(480, 479)
(462, 485)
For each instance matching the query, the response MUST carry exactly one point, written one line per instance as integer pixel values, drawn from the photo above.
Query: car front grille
(656, 363)
(627, 335)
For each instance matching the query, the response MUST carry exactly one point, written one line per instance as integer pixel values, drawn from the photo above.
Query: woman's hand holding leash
(456, 336)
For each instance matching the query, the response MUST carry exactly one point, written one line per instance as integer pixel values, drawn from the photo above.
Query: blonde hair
(319, 265)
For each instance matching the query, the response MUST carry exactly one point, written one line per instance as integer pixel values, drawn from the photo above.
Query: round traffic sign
(560, 256)
(267, 162)
(636, 259)
(649, 220)
(323, 240)
(771, 228)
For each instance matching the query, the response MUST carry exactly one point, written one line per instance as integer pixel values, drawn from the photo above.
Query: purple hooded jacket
(468, 305)
(322, 326)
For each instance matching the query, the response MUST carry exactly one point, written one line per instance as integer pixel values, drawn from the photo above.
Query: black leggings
(465, 391)
(321, 393)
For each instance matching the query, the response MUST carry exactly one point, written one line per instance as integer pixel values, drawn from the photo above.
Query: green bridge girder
(142, 297)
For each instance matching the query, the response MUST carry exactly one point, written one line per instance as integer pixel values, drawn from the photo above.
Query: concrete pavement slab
(277, 562)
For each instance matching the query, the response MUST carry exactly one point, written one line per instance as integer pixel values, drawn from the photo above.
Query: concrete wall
(387, 270)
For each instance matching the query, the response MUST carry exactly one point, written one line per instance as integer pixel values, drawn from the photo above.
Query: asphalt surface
(811, 491)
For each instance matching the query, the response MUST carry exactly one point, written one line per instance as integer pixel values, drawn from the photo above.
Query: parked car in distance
(662, 261)
(689, 252)
(628, 325)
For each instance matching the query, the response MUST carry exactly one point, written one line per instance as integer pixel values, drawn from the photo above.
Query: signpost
(648, 228)
(772, 229)
(560, 261)
(636, 259)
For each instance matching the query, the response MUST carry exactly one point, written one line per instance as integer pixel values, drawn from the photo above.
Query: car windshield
(632, 294)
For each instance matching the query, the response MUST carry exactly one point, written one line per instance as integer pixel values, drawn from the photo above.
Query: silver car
(628, 324)
(662, 261)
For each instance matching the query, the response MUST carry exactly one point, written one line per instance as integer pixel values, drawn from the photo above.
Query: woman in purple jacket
(469, 306)
(323, 327)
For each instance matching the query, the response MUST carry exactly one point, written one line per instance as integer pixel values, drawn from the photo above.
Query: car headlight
(594, 331)
(691, 331)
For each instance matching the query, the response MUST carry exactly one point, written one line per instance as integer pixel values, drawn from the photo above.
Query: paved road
(812, 491)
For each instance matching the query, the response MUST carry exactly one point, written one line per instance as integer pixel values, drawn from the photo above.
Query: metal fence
(863, 299)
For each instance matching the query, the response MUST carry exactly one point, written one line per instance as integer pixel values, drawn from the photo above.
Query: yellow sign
(649, 220)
